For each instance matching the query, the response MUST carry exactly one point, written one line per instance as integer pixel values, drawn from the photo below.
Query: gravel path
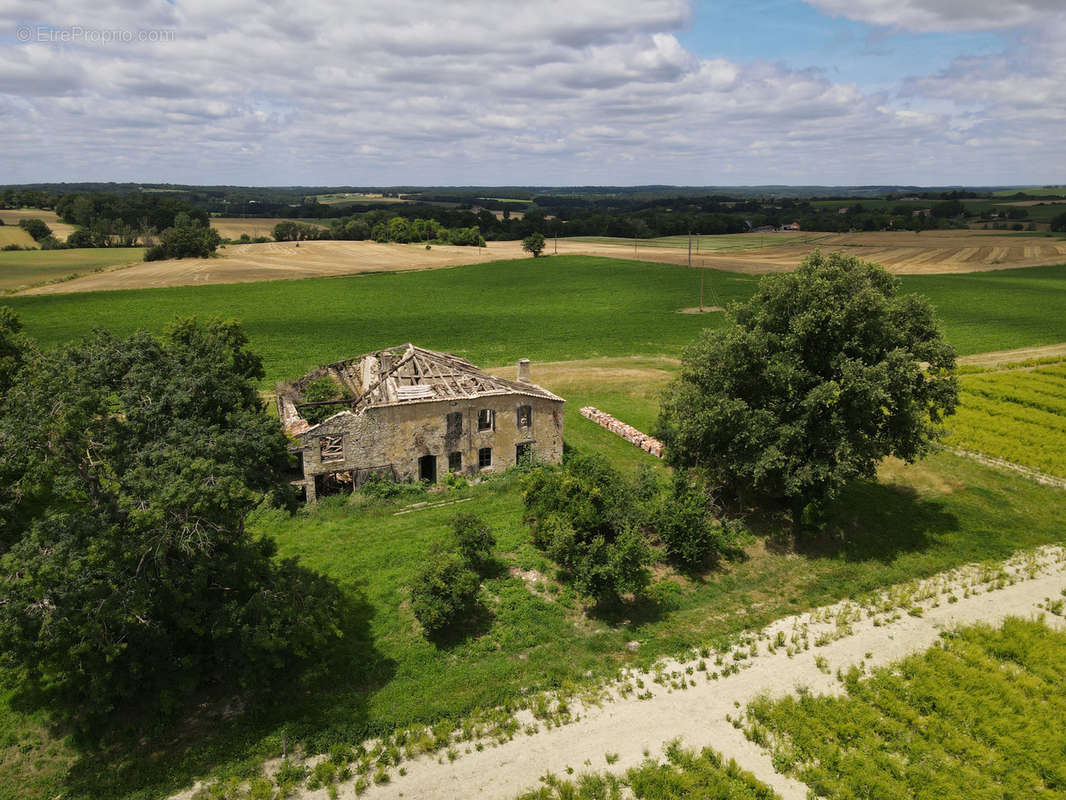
(631, 727)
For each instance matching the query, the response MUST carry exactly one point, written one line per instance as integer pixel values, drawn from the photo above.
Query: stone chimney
(386, 361)
(523, 370)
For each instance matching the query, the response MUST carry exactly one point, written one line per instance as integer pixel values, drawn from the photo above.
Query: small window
(455, 423)
(486, 419)
(523, 453)
(525, 416)
(484, 457)
(455, 462)
(331, 448)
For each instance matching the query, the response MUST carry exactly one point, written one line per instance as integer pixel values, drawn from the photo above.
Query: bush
(444, 592)
(35, 228)
(80, 238)
(585, 519)
(685, 522)
(473, 538)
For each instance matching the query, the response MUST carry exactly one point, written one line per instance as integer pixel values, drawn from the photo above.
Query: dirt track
(901, 253)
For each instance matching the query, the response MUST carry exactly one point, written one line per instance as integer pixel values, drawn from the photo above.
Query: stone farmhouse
(414, 414)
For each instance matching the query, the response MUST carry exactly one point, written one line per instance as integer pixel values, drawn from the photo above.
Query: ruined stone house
(414, 414)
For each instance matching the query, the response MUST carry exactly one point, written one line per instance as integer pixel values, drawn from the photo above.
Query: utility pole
(690, 250)
(702, 270)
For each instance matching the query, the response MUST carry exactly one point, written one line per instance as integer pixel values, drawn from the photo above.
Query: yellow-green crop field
(1017, 415)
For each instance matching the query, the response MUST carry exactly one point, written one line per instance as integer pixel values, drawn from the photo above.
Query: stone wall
(627, 432)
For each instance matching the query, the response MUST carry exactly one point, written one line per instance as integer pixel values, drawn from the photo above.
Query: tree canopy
(824, 372)
(534, 244)
(127, 467)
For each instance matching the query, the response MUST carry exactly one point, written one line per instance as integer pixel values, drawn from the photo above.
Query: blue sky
(846, 92)
(799, 36)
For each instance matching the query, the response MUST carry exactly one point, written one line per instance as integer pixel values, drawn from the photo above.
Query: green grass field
(1018, 415)
(29, 267)
(978, 717)
(914, 522)
(547, 309)
(917, 521)
(1042, 191)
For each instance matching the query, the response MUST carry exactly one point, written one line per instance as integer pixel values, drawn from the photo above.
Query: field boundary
(1032, 474)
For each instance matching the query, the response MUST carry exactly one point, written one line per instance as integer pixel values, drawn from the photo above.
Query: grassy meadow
(547, 309)
(603, 332)
(21, 268)
(975, 718)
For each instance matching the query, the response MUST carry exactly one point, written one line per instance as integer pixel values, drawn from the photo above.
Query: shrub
(444, 592)
(35, 228)
(80, 238)
(473, 538)
(585, 518)
(684, 521)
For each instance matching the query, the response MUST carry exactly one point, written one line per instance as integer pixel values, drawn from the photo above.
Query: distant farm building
(414, 414)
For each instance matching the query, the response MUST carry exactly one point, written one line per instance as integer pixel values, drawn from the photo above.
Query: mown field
(724, 243)
(11, 235)
(1018, 415)
(24, 268)
(559, 308)
(977, 718)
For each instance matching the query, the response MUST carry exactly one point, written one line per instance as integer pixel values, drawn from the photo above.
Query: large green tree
(823, 373)
(128, 466)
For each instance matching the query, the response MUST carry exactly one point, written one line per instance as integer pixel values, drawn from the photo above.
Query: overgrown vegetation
(977, 716)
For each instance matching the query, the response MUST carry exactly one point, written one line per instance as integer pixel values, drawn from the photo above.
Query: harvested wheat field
(902, 253)
(233, 227)
(61, 230)
(247, 263)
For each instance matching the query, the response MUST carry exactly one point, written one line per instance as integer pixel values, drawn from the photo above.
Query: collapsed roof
(397, 376)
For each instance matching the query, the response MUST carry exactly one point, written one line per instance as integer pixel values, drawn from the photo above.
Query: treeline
(396, 229)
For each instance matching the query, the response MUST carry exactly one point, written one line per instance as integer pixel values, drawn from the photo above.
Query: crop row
(1017, 415)
(977, 717)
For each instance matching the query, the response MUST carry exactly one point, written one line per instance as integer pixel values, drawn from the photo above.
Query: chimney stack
(523, 370)
(386, 361)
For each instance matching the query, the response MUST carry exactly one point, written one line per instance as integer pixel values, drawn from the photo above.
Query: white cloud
(570, 91)
(929, 16)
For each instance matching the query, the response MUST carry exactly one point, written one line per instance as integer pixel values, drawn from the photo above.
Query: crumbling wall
(627, 432)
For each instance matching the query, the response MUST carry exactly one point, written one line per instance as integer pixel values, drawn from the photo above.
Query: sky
(540, 92)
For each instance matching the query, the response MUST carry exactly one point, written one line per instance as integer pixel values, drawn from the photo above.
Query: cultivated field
(9, 234)
(1017, 415)
(902, 253)
(233, 227)
(581, 308)
(19, 269)
(60, 230)
(980, 716)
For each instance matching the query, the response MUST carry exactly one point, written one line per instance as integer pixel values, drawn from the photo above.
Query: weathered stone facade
(474, 425)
